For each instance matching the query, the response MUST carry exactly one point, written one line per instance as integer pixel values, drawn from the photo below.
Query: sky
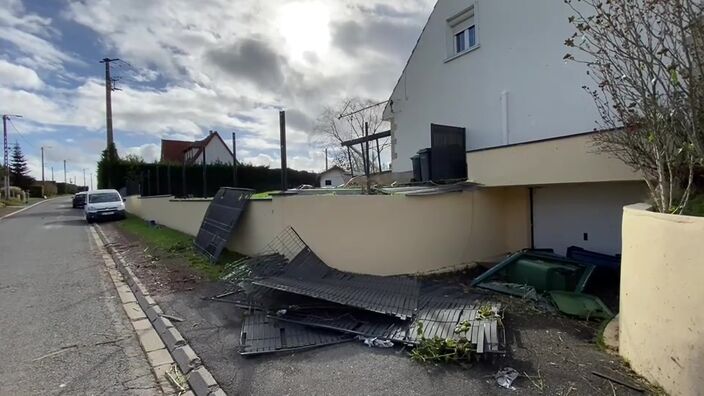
(189, 67)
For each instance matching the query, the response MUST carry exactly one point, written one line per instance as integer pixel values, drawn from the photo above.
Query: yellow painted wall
(377, 234)
(662, 302)
(568, 160)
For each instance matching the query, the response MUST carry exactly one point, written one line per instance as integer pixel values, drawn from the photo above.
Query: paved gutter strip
(161, 341)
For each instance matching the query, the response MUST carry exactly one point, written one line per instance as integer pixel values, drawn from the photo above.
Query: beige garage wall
(567, 160)
(662, 315)
(377, 234)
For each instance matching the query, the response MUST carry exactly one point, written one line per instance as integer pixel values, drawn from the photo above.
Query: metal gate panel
(220, 220)
(448, 159)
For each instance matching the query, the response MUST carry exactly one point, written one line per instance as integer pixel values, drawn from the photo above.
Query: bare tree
(331, 130)
(644, 58)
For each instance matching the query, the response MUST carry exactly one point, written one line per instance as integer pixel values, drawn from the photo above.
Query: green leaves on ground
(444, 350)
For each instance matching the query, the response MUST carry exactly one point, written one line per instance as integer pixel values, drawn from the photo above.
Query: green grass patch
(262, 195)
(177, 243)
(695, 206)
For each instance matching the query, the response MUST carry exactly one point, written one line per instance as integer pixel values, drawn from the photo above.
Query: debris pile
(293, 300)
(532, 274)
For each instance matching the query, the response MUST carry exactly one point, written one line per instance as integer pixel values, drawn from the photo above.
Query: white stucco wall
(216, 152)
(336, 177)
(520, 53)
(562, 214)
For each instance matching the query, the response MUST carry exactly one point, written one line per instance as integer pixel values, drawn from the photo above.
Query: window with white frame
(463, 32)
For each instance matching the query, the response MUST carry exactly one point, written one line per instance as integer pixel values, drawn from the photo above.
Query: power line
(21, 134)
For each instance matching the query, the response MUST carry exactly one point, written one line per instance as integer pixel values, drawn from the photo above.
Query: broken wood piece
(173, 318)
(619, 381)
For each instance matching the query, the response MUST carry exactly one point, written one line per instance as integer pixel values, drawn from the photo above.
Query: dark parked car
(79, 200)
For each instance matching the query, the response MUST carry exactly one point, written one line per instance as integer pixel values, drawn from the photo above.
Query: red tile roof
(174, 150)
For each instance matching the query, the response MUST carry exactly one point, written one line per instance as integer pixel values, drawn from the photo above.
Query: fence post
(149, 182)
(205, 184)
(158, 184)
(183, 179)
(234, 159)
(282, 132)
(168, 178)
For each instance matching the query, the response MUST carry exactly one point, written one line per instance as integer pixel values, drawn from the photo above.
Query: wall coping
(643, 209)
(154, 196)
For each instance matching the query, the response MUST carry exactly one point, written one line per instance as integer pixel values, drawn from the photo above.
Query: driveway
(62, 328)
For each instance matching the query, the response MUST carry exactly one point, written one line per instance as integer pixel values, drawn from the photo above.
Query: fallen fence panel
(261, 334)
(220, 220)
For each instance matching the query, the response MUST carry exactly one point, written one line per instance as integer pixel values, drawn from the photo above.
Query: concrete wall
(514, 87)
(661, 317)
(569, 160)
(374, 234)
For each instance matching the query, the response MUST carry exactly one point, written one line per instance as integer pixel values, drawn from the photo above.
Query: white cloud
(260, 159)
(31, 35)
(149, 152)
(18, 76)
(301, 56)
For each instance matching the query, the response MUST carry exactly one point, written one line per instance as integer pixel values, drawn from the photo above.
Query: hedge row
(159, 179)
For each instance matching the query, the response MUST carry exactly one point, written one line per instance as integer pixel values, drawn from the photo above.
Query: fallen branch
(618, 381)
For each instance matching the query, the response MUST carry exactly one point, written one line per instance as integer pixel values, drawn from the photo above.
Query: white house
(334, 177)
(493, 71)
(212, 147)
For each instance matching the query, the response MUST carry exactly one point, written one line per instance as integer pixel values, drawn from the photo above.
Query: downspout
(532, 227)
(504, 116)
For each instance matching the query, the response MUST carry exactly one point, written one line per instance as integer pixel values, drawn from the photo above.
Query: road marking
(28, 207)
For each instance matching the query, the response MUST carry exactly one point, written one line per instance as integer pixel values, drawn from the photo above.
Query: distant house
(334, 177)
(213, 147)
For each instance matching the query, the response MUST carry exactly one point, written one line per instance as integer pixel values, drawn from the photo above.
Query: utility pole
(326, 159)
(91, 181)
(6, 160)
(6, 152)
(52, 173)
(42, 166)
(64, 171)
(108, 100)
(84, 177)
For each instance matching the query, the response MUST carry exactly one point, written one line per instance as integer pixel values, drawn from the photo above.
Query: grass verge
(177, 243)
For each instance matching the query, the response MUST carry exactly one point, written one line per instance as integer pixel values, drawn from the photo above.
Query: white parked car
(104, 204)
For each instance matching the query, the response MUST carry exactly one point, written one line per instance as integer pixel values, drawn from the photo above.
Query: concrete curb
(199, 378)
(26, 208)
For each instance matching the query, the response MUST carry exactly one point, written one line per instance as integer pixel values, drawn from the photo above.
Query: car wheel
(89, 220)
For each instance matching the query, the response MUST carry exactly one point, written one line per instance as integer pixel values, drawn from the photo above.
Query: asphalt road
(62, 328)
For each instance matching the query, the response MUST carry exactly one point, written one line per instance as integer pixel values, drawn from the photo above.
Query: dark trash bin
(415, 160)
(424, 158)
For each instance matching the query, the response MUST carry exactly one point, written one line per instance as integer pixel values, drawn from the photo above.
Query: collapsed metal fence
(294, 300)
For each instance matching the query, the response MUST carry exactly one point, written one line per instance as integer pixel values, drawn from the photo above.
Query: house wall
(563, 214)
(375, 234)
(216, 151)
(661, 319)
(571, 159)
(336, 177)
(513, 88)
